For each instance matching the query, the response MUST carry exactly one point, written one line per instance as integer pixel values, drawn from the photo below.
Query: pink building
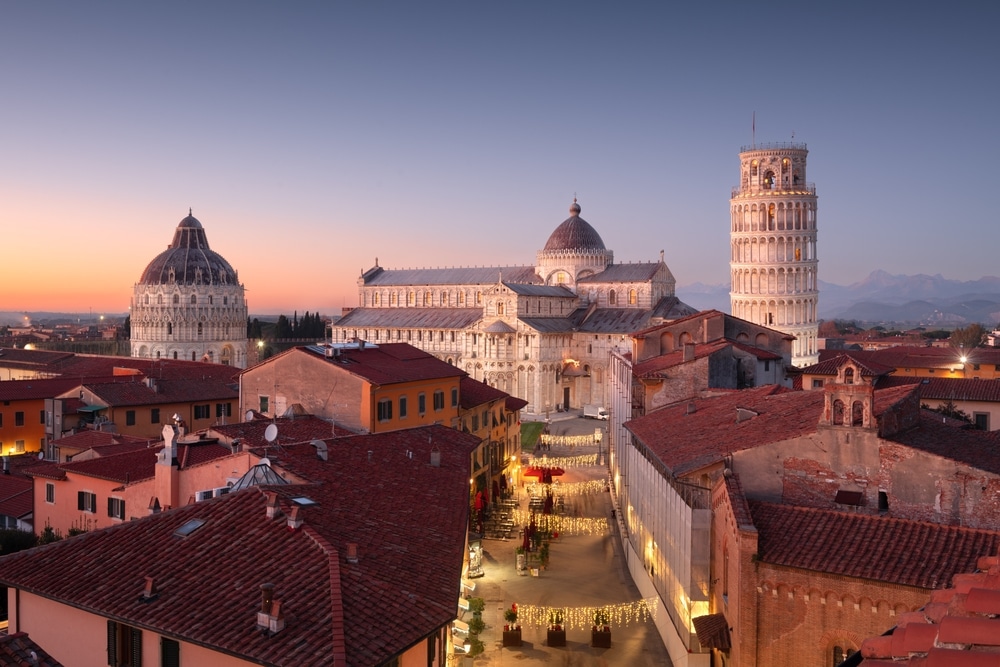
(360, 566)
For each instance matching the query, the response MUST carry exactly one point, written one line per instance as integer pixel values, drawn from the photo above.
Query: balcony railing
(774, 145)
(777, 188)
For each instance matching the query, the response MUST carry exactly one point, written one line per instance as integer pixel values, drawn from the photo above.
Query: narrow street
(584, 570)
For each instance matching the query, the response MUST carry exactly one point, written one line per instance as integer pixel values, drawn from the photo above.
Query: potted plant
(476, 625)
(600, 635)
(556, 634)
(543, 555)
(476, 606)
(511, 630)
(520, 558)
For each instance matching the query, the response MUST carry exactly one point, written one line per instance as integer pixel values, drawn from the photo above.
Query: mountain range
(884, 298)
(881, 298)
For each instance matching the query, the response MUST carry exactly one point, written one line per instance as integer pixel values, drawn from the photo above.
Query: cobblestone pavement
(583, 571)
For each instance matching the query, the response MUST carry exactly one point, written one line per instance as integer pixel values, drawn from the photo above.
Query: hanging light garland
(570, 489)
(568, 440)
(563, 525)
(582, 618)
(565, 461)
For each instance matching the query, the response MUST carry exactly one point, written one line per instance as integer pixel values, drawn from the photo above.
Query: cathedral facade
(189, 304)
(773, 263)
(540, 332)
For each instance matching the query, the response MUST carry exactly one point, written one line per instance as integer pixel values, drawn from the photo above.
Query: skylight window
(189, 527)
(302, 500)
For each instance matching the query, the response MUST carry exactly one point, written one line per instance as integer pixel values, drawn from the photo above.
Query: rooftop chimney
(295, 519)
(436, 457)
(149, 592)
(266, 604)
(352, 552)
(273, 509)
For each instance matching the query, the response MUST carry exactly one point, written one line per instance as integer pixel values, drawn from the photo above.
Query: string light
(564, 525)
(582, 618)
(565, 461)
(567, 489)
(569, 440)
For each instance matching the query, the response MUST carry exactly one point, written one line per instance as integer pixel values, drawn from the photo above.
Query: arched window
(199, 328)
(500, 308)
(857, 413)
(170, 328)
(147, 299)
(612, 297)
(159, 299)
(377, 299)
(631, 297)
(177, 299)
(838, 411)
(194, 299)
(210, 299)
(848, 376)
(479, 298)
(225, 301)
(410, 299)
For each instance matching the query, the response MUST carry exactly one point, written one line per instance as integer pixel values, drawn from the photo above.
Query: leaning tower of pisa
(773, 237)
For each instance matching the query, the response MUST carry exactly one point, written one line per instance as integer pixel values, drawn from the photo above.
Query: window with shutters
(439, 400)
(124, 645)
(116, 508)
(130, 417)
(50, 492)
(170, 653)
(86, 501)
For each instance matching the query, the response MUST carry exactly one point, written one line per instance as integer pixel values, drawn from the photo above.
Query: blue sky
(311, 138)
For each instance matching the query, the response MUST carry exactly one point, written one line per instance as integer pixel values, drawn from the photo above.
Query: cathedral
(542, 333)
(189, 304)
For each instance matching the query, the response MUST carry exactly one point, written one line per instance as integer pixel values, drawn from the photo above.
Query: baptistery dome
(189, 303)
(188, 260)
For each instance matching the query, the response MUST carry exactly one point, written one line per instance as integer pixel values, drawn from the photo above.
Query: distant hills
(885, 298)
(881, 298)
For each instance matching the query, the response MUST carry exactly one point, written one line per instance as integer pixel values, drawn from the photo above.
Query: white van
(595, 412)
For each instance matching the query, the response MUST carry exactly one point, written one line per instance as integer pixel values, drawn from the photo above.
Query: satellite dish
(248, 416)
(271, 433)
(41, 456)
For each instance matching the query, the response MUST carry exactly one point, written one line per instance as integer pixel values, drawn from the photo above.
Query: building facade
(190, 304)
(542, 333)
(773, 260)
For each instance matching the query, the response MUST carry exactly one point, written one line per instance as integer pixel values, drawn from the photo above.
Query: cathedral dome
(574, 233)
(188, 260)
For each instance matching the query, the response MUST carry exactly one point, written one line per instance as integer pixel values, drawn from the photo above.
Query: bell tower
(773, 258)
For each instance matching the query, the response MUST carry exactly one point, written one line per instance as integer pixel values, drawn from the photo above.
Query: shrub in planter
(476, 625)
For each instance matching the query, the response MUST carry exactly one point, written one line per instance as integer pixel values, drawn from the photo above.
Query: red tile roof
(104, 442)
(881, 548)
(831, 365)
(15, 496)
(134, 466)
(905, 356)
(387, 363)
(17, 650)
(381, 492)
(958, 627)
(686, 441)
(19, 390)
(473, 393)
(948, 439)
(70, 365)
(655, 366)
(302, 428)
(959, 389)
(184, 390)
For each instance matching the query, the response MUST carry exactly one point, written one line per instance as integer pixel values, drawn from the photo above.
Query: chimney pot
(266, 597)
(352, 552)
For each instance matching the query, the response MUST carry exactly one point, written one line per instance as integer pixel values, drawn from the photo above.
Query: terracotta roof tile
(408, 518)
(302, 428)
(473, 393)
(913, 553)
(830, 364)
(185, 390)
(387, 363)
(685, 441)
(19, 650)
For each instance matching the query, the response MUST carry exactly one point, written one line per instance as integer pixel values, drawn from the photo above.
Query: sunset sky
(310, 138)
